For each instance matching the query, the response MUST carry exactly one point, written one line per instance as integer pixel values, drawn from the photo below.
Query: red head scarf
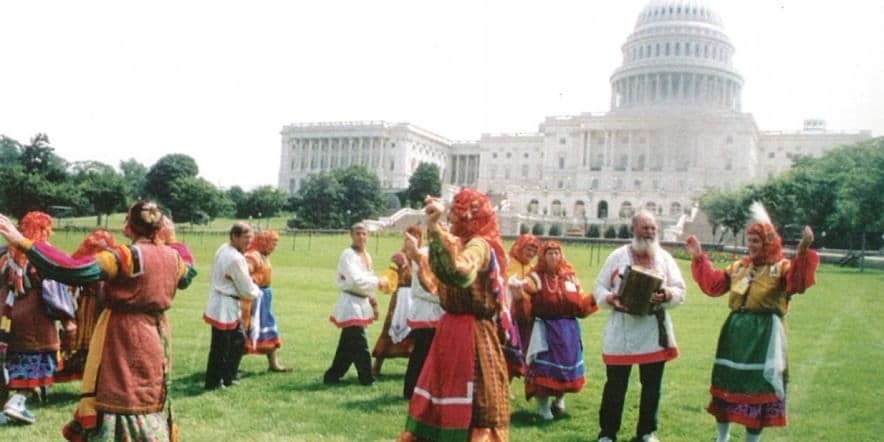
(262, 240)
(97, 241)
(521, 243)
(564, 268)
(772, 246)
(35, 226)
(472, 216)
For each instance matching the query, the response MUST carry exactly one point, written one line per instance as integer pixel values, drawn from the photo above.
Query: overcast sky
(217, 80)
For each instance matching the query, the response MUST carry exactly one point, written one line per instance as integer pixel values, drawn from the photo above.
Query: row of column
(314, 154)
(464, 170)
(684, 87)
(638, 156)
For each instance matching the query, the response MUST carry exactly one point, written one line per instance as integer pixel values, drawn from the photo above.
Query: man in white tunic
(355, 310)
(230, 281)
(647, 340)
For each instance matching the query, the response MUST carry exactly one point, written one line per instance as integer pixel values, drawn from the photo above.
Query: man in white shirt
(646, 340)
(356, 309)
(230, 281)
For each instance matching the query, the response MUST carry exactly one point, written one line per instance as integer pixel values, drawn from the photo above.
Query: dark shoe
(232, 383)
(367, 381)
(328, 380)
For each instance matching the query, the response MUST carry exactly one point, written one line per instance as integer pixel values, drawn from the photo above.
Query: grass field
(835, 340)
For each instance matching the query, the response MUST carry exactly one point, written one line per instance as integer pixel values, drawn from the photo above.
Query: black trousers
(225, 354)
(352, 349)
(423, 339)
(611, 412)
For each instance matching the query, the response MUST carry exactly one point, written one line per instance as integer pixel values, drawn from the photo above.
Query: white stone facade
(674, 130)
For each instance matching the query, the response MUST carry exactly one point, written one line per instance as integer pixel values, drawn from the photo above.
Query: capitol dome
(678, 56)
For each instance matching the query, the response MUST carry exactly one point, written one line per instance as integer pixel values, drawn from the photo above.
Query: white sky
(217, 80)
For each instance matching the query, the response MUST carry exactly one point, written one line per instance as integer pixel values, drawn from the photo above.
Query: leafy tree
(135, 174)
(426, 180)
(523, 229)
(101, 186)
(319, 196)
(362, 196)
(593, 231)
(238, 196)
(165, 171)
(263, 202)
(25, 191)
(192, 199)
(729, 210)
(624, 232)
(40, 158)
(538, 229)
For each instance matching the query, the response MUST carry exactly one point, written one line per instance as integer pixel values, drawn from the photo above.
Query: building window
(509, 154)
(637, 184)
(494, 155)
(532, 207)
(556, 208)
(525, 155)
(595, 184)
(506, 173)
(561, 161)
(563, 140)
(771, 154)
(730, 139)
(675, 209)
(626, 210)
(602, 211)
(525, 171)
(561, 184)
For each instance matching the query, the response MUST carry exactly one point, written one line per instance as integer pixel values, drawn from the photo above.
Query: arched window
(651, 206)
(556, 208)
(602, 210)
(675, 209)
(579, 209)
(532, 207)
(626, 210)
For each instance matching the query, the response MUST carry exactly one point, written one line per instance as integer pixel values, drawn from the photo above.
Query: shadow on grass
(56, 399)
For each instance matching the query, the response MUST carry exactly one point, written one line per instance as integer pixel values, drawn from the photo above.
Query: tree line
(840, 195)
(33, 176)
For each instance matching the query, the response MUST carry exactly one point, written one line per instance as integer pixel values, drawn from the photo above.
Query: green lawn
(836, 344)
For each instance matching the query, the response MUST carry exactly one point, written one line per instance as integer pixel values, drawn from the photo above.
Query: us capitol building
(675, 129)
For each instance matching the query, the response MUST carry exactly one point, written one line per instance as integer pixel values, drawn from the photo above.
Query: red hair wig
(563, 269)
(35, 226)
(772, 245)
(472, 216)
(97, 241)
(518, 248)
(263, 240)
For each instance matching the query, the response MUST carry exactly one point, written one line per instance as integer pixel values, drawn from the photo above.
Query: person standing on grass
(259, 322)
(29, 360)
(751, 368)
(463, 390)
(356, 309)
(394, 340)
(424, 311)
(555, 351)
(644, 340)
(518, 267)
(124, 394)
(230, 282)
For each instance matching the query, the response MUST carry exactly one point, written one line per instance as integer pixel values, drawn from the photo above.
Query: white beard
(644, 246)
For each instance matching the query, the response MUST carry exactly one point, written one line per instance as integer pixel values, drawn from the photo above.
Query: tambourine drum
(636, 289)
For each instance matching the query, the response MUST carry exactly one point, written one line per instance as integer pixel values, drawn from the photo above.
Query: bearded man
(647, 340)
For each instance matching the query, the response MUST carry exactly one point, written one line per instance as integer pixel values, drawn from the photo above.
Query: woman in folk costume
(750, 372)
(31, 334)
(394, 341)
(424, 312)
(259, 322)
(518, 268)
(555, 350)
(75, 345)
(463, 391)
(124, 390)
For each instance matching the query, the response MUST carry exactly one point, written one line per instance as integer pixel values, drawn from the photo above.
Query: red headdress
(521, 243)
(35, 226)
(564, 268)
(772, 245)
(97, 241)
(472, 216)
(262, 240)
